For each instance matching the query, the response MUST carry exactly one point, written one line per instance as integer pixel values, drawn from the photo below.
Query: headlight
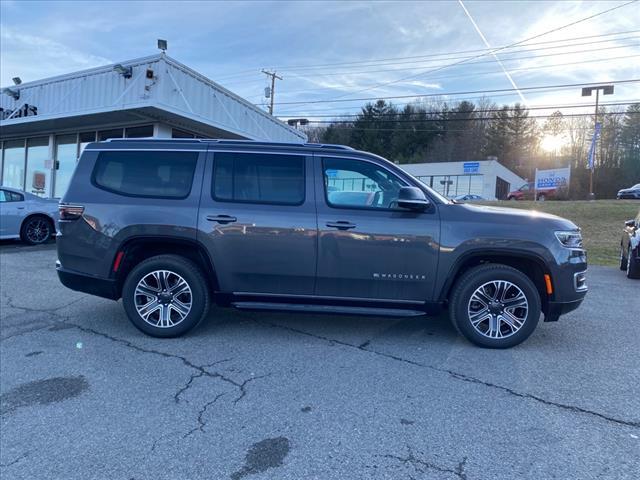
(570, 239)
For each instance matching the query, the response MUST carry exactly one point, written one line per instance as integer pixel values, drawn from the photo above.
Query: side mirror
(412, 198)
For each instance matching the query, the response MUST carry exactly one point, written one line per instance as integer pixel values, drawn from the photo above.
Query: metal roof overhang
(156, 88)
(41, 125)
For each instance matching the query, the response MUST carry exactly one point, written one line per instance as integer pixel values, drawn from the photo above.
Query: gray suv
(171, 226)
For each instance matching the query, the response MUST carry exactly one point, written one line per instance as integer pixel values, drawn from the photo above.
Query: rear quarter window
(146, 174)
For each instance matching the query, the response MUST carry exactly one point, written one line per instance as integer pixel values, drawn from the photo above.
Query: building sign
(553, 178)
(471, 167)
(25, 110)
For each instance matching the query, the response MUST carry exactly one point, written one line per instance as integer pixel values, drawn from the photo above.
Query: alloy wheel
(163, 298)
(37, 230)
(498, 309)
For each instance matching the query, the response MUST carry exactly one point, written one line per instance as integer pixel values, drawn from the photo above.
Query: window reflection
(13, 168)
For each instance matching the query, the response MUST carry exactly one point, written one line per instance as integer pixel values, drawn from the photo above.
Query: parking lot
(289, 396)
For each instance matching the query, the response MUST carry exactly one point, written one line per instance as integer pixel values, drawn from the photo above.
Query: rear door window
(258, 178)
(146, 174)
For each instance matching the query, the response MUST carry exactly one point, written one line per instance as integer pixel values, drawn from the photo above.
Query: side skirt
(330, 309)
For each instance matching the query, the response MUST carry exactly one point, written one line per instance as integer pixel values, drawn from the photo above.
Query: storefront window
(66, 157)
(38, 167)
(139, 132)
(107, 134)
(13, 168)
(176, 133)
(85, 139)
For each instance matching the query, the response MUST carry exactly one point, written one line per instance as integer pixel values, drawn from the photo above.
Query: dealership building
(45, 124)
(487, 178)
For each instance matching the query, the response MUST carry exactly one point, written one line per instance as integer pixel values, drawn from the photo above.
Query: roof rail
(224, 141)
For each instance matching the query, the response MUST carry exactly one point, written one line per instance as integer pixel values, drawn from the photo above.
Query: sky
(329, 51)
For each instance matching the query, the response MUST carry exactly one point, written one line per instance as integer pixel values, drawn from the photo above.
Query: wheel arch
(529, 263)
(30, 215)
(136, 249)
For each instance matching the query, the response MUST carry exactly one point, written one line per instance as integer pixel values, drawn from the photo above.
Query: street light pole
(586, 92)
(595, 150)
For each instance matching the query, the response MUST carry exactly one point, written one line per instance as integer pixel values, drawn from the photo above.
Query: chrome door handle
(221, 218)
(341, 225)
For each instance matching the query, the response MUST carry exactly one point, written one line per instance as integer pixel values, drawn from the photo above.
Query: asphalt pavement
(84, 395)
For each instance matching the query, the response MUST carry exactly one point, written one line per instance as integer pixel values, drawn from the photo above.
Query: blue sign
(471, 167)
(553, 178)
(592, 149)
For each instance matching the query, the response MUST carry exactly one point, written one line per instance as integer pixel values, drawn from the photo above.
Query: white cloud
(33, 57)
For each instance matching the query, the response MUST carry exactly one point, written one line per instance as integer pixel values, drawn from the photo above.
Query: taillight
(70, 212)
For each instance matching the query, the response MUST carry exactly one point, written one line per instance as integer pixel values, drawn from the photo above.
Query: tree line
(441, 131)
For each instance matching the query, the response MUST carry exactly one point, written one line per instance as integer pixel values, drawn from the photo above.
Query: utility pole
(272, 92)
(586, 92)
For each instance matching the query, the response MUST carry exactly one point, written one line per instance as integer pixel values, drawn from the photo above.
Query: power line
(590, 17)
(544, 87)
(444, 100)
(492, 110)
(364, 63)
(448, 130)
(471, 119)
(362, 72)
(494, 72)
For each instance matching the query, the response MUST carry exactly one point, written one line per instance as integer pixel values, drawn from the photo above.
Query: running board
(343, 310)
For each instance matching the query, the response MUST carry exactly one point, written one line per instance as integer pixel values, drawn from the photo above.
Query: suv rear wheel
(166, 296)
(495, 306)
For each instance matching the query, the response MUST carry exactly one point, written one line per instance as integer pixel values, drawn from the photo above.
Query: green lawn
(601, 222)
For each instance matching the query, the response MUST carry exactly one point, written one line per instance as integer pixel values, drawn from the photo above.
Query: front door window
(353, 183)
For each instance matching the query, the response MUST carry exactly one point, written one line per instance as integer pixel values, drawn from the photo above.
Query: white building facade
(487, 178)
(45, 124)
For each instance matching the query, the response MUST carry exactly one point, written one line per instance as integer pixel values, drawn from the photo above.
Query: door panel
(368, 249)
(12, 211)
(258, 240)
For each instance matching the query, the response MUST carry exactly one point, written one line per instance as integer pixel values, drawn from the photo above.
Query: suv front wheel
(495, 306)
(166, 296)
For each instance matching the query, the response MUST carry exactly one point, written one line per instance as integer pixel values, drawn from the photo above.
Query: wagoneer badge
(398, 276)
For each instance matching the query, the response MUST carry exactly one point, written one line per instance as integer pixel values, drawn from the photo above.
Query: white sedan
(26, 216)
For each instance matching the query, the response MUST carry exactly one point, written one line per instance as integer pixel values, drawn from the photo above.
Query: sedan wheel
(633, 265)
(36, 230)
(623, 260)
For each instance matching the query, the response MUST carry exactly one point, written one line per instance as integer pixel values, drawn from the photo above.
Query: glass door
(66, 158)
(38, 179)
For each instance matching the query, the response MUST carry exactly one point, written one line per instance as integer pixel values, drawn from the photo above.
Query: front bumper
(106, 288)
(555, 309)
(569, 277)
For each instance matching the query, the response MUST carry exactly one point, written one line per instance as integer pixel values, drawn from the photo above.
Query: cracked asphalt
(84, 395)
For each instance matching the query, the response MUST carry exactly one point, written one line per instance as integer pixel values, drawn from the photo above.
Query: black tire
(623, 260)
(36, 230)
(470, 281)
(179, 267)
(633, 265)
